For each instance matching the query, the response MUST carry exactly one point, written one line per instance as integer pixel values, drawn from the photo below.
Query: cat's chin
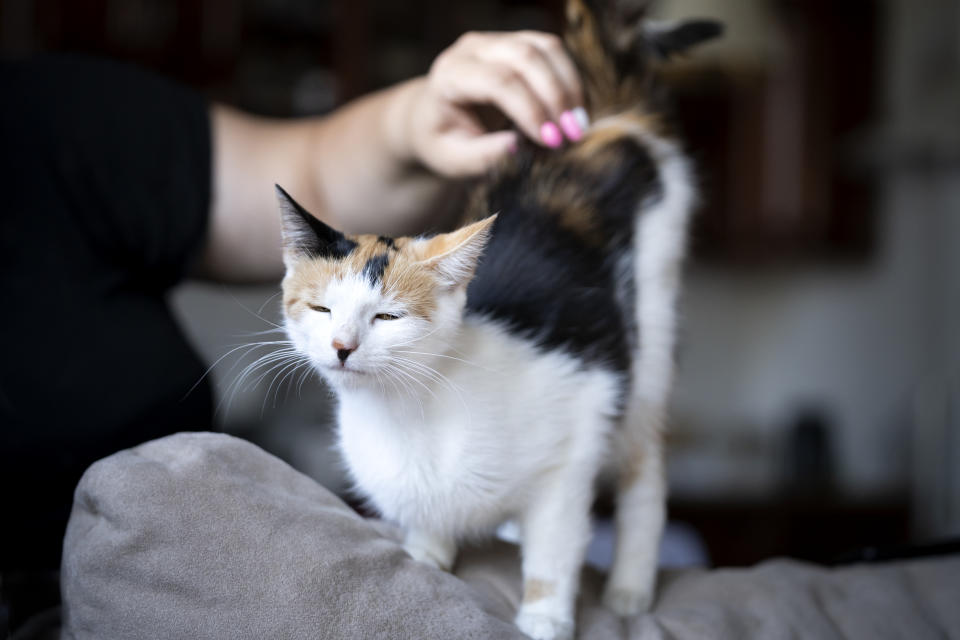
(340, 377)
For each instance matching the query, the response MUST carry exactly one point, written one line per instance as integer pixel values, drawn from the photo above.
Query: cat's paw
(626, 601)
(540, 626)
(432, 557)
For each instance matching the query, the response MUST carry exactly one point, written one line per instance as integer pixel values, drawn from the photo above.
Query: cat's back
(557, 267)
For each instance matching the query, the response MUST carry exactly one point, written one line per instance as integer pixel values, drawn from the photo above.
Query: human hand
(526, 76)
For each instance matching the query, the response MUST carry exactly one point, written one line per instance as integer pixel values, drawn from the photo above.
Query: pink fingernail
(570, 126)
(580, 115)
(551, 135)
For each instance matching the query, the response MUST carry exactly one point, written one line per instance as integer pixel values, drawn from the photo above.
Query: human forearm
(353, 168)
(383, 164)
(366, 174)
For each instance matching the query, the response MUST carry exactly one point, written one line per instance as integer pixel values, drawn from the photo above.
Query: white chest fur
(467, 454)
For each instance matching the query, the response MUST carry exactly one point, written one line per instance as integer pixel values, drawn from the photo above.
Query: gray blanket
(207, 536)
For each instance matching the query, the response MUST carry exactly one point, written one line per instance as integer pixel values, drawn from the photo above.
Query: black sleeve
(105, 177)
(126, 153)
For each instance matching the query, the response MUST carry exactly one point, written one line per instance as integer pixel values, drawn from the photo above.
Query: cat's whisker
(277, 362)
(415, 369)
(439, 378)
(263, 332)
(296, 377)
(441, 355)
(383, 389)
(282, 377)
(427, 370)
(263, 361)
(410, 390)
(403, 381)
(404, 386)
(417, 339)
(246, 387)
(304, 377)
(273, 359)
(249, 346)
(255, 314)
(411, 376)
(267, 301)
(282, 372)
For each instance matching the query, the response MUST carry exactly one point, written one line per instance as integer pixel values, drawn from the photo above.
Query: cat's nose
(343, 350)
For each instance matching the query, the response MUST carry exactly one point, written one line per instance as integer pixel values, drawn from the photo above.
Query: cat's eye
(386, 316)
(317, 307)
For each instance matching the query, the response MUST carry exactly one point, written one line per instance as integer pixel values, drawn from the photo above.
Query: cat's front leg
(556, 530)
(429, 548)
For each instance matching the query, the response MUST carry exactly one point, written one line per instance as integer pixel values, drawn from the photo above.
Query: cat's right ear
(305, 236)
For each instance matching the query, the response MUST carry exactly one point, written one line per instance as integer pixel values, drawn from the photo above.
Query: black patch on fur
(544, 280)
(387, 241)
(306, 234)
(373, 270)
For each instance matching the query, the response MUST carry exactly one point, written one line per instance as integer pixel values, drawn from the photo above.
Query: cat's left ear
(453, 256)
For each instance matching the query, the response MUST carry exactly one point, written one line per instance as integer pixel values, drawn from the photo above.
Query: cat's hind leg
(640, 517)
(659, 247)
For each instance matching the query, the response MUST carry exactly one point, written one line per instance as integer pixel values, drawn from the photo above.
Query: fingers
(502, 86)
(527, 75)
(556, 55)
(531, 63)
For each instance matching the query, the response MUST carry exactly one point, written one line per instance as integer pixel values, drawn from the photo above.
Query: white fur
(452, 426)
(492, 430)
(659, 246)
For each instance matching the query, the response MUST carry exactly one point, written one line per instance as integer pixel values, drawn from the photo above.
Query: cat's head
(365, 309)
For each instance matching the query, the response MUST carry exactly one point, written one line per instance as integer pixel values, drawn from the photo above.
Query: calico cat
(492, 373)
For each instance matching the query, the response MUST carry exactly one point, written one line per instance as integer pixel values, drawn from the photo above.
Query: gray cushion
(207, 536)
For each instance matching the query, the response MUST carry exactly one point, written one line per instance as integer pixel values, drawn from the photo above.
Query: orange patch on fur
(408, 282)
(637, 454)
(632, 468)
(306, 280)
(534, 590)
(412, 284)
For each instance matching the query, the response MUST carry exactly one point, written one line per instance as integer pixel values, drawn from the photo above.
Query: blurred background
(817, 405)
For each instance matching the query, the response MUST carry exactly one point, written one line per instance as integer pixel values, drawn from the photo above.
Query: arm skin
(383, 163)
(348, 168)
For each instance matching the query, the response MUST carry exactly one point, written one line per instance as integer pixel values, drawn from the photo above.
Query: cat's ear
(667, 38)
(306, 236)
(453, 256)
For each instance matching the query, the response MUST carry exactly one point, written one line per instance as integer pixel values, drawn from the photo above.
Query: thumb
(473, 155)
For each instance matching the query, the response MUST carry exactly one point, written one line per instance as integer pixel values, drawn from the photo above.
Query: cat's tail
(618, 49)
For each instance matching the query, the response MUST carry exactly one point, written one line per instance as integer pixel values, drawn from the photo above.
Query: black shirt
(105, 176)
